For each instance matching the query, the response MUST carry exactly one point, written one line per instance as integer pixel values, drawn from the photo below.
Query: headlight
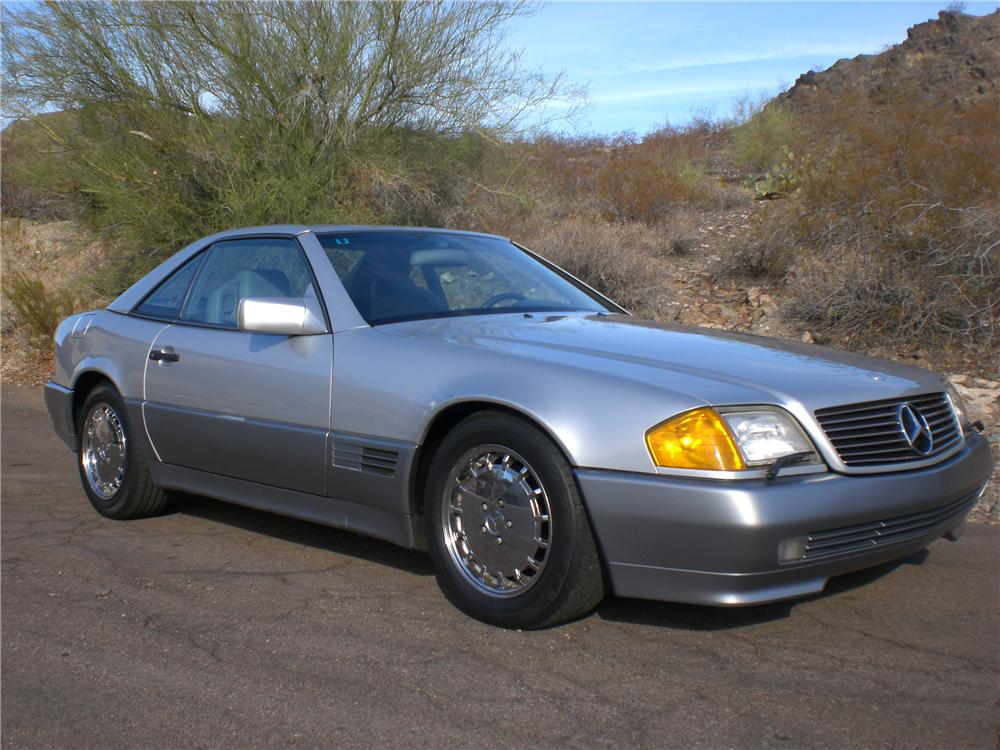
(764, 436)
(731, 441)
(958, 404)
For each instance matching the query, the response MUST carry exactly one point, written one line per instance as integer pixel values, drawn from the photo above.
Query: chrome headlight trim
(756, 472)
(958, 405)
(783, 415)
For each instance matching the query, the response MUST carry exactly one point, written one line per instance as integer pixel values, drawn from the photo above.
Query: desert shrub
(681, 246)
(915, 187)
(645, 180)
(642, 184)
(894, 230)
(948, 287)
(626, 178)
(766, 248)
(564, 171)
(35, 310)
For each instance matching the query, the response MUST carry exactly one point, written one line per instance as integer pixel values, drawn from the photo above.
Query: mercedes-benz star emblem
(916, 431)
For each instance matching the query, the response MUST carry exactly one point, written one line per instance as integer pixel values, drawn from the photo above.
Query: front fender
(395, 386)
(114, 345)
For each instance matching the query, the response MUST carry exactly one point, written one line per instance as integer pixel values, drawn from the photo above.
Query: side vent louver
(364, 458)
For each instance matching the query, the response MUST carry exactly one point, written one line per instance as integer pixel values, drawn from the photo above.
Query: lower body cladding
(59, 402)
(732, 543)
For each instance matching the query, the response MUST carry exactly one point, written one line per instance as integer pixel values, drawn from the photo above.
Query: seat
(263, 282)
(381, 287)
(395, 296)
(224, 302)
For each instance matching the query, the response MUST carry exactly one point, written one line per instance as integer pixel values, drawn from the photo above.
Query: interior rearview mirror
(288, 316)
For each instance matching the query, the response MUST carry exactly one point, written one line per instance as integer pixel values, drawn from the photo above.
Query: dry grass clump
(35, 310)
(766, 250)
(619, 260)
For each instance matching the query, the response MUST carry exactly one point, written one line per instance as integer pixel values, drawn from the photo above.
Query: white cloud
(737, 57)
(665, 92)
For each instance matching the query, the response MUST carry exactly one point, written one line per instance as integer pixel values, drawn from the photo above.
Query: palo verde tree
(186, 117)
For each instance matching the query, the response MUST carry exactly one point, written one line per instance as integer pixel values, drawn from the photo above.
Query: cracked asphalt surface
(221, 626)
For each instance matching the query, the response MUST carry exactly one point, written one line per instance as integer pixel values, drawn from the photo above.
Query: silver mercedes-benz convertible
(452, 391)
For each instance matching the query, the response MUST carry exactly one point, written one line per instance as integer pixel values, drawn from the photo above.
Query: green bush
(184, 118)
(761, 144)
(34, 181)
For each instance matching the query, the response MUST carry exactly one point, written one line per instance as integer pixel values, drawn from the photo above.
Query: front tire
(510, 539)
(114, 474)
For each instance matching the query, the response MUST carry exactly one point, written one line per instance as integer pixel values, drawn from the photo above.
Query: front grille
(870, 434)
(870, 536)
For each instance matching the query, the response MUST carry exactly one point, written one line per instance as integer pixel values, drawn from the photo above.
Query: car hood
(718, 367)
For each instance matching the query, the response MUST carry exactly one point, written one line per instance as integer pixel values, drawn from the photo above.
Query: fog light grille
(868, 537)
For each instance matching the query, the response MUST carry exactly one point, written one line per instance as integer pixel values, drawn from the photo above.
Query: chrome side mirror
(287, 316)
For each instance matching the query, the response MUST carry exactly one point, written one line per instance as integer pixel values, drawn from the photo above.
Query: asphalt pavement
(218, 626)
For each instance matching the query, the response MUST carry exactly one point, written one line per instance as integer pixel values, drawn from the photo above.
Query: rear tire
(510, 539)
(114, 473)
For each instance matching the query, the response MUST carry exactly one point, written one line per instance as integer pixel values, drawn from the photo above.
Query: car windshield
(399, 275)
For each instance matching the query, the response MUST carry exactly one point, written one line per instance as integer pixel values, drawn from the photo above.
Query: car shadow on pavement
(698, 617)
(614, 609)
(304, 533)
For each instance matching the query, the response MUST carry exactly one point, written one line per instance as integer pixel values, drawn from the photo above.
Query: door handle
(159, 355)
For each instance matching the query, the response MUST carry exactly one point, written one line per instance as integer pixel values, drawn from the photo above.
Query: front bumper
(716, 542)
(59, 401)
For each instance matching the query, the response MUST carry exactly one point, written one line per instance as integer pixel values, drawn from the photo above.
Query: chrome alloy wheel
(103, 451)
(496, 521)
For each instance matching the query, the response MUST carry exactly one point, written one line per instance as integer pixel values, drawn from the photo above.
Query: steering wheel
(492, 301)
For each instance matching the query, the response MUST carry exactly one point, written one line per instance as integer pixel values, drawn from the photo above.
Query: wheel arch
(85, 382)
(446, 418)
(89, 378)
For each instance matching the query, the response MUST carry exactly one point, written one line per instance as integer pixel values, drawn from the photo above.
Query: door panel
(247, 405)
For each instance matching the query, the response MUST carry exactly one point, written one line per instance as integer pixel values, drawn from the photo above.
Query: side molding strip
(391, 526)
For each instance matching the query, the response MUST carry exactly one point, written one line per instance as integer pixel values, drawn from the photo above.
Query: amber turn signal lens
(696, 439)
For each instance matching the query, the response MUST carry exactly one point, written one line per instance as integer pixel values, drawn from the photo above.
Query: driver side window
(236, 269)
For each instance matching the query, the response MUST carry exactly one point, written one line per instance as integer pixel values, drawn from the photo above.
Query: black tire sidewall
(118, 506)
(557, 577)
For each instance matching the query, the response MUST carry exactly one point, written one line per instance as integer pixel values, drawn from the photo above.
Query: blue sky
(647, 63)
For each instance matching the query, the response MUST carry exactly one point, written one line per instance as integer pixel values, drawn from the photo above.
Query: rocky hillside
(955, 58)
